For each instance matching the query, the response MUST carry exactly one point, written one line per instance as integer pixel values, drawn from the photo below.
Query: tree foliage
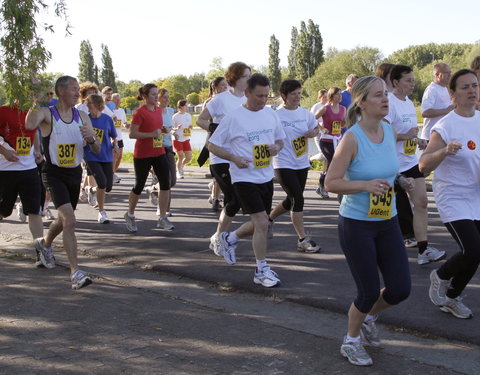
(129, 102)
(107, 74)
(193, 98)
(86, 67)
(274, 73)
(23, 53)
(292, 54)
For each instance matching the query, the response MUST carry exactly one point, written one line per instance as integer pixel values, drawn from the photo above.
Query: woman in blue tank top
(364, 169)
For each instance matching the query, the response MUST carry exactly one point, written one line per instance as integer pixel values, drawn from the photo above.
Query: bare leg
(420, 213)
(132, 202)
(224, 222)
(100, 199)
(35, 224)
(163, 201)
(356, 318)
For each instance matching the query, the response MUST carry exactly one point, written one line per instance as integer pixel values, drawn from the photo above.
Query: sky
(152, 39)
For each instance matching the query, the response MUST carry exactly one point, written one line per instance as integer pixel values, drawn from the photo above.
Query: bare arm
(436, 152)
(88, 133)
(241, 162)
(136, 134)
(412, 133)
(36, 116)
(203, 119)
(429, 113)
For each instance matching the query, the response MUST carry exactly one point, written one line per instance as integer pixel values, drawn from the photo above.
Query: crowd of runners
(367, 137)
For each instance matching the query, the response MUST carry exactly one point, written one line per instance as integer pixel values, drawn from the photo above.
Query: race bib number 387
(66, 155)
(381, 206)
(23, 146)
(261, 156)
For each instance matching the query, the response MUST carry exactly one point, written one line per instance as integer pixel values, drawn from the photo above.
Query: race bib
(118, 123)
(99, 134)
(158, 142)
(23, 146)
(66, 155)
(261, 156)
(337, 127)
(299, 146)
(381, 207)
(187, 132)
(410, 146)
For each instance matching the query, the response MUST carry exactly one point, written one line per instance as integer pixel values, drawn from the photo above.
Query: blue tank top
(372, 161)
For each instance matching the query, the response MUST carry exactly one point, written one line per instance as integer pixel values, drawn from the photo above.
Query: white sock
(261, 264)
(232, 237)
(130, 215)
(370, 317)
(352, 339)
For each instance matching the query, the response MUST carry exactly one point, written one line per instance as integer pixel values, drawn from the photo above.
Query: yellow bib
(337, 127)
(23, 146)
(261, 156)
(66, 154)
(381, 207)
(299, 146)
(99, 134)
(158, 142)
(187, 132)
(409, 146)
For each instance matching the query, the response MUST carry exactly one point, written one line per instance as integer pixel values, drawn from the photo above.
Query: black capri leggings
(463, 265)
(142, 168)
(328, 151)
(370, 246)
(293, 183)
(103, 174)
(221, 173)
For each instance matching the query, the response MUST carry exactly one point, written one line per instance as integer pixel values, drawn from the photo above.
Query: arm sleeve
(428, 99)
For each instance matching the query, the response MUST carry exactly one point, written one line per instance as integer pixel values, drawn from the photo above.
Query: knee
(421, 202)
(231, 208)
(261, 224)
(397, 295)
(287, 204)
(298, 203)
(364, 303)
(69, 222)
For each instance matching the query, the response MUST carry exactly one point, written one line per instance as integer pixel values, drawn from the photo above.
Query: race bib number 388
(66, 155)
(23, 146)
(261, 156)
(381, 206)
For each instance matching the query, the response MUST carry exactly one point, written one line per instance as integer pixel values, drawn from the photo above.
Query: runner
(291, 164)
(121, 123)
(182, 131)
(222, 104)
(147, 129)
(65, 132)
(364, 168)
(322, 101)
(402, 116)
(453, 152)
(333, 118)
(100, 164)
(107, 93)
(248, 137)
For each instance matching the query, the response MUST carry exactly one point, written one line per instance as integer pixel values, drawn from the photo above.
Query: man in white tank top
(65, 132)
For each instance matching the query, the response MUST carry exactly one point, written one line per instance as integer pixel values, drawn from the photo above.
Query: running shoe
(20, 214)
(48, 214)
(270, 229)
(438, 289)
(431, 255)
(45, 253)
(307, 246)
(456, 307)
(227, 248)
(179, 175)
(322, 192)
(369, 333)
(215, 245)
(152, 195)
(355, 353)
(83, 196)
(165, 224)
(216, 207)
(410, 242)
(167, 214)
(116, 179)
(91, 196)
(267, 277)
(80, 280)
(130, 223)
(103, 218)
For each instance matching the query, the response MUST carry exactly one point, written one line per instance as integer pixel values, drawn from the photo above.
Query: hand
(10, 155)
(38, 157)
(324, 130)
(406, 183)
(377, 187)
(241, 162)
(452, 148)
(422, 143)
(273, 149)
(412, 133)
(157, 133)
(310, 133)
(87, 132)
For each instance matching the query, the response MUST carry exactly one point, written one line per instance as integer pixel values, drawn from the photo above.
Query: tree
(95, 75)
(22, 47)
(217, 69)
(274, 73)
(107, 74)
(292, 54)
(129, 102)
(86, 67)
(178, 87)
(309, 53)
(193, 98)
(197, 82)
(316, 44)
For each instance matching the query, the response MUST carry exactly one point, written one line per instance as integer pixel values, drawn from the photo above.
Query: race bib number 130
(23, 146)
(381, 206)
(66, 155)
(261, 156)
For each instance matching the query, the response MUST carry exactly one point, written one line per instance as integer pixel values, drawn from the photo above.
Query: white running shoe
(20, 214)
(267, 277)
(83, 196)
(80, 280)
(355, 353)
(307, 246)
(152, 195)
(322, 192)
(227, 248)
(410, 242)
(179, 175)
(130, 223)
(215, 245)
(165, 224)
(48, 214)
(430, 255)
(44, 253)
(369, 333)
(438, 289)
(91, 196)
(456, 307)
(103, 218)
(116, 179)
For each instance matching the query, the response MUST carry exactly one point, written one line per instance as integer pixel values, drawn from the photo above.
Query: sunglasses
(50, 93)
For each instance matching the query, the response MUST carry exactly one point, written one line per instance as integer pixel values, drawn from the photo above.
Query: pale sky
(151, 39)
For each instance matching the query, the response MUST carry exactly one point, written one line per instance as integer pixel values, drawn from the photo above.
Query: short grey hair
(63, 81)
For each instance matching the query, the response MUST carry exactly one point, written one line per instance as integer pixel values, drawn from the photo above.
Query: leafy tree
(86, 67)
(131, 88)
(217, 69)
(203, 94)
(316, 44)
(95, 75)
(129, 102)
(107, 73)
(292, 54)
(274, 73)
(22, 48)
(197, 82)
(193, 98)
(178, 87)
(309, 54)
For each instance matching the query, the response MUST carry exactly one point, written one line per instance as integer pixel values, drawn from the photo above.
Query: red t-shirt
(12, 129)
(148, 121)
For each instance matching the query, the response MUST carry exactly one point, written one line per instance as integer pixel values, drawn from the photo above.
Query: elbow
(423, 167)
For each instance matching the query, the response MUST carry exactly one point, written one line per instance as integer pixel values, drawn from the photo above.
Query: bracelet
(94, 140)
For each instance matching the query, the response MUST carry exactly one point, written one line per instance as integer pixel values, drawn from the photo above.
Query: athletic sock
(130, 215)
(422, 246)
(370, 317)
(232, 238)
(261, 264)
(352, 339)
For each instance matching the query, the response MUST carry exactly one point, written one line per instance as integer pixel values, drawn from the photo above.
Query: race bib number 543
(261, 156)
(381, 206)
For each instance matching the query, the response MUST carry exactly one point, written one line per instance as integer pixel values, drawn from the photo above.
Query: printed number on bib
(381, 206)
(409, 146)
(187, 132)
(261, 156)
(118, 123)
(337, 127)
(66, 155)
(299, 146)
(158, 142)
(99, 134)
(23, 146)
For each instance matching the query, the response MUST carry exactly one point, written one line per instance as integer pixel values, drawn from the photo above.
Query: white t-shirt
(402, 116)
(246, 134)
(24, 162)
(294, 154)
(83, 107)
(182, 122)
(121, 117)
(456, 181)
(435, 96)
(315, 108)
(218, 107)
